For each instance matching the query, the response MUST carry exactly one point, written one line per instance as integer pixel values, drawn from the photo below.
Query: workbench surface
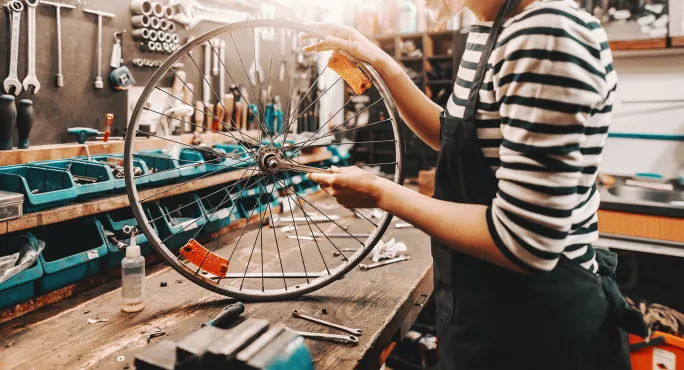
(383, 302)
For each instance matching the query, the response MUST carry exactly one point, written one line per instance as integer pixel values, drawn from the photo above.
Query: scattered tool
(402, 225)
(31, 83)
(276, 220)
(339, 235)
(300, 237)
(297, 314)
(24, 122)
(383, 263)
(59, 77)
(8, 117)
(121, 77)
(227, 317)
(344, 339)
(98, 80)
(337, 254)
(155, 334)
(12, 85)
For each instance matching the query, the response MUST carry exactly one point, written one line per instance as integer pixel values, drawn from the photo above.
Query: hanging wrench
(12, 85)
(30, 79)
(345, 339)
(383, 263)
(296, 313)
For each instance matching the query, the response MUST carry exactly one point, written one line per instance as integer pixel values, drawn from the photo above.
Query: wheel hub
(268, 160)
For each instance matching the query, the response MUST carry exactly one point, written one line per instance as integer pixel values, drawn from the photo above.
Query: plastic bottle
(133, 279)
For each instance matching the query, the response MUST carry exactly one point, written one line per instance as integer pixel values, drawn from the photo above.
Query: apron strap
(474, 96)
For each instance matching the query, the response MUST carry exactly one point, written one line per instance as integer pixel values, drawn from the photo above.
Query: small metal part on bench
(275, 220)
(383, 263)
(337, 254)
(344, 339)
(297, 314)
(339, 235)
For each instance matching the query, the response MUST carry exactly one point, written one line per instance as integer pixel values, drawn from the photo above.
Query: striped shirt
(542, 121)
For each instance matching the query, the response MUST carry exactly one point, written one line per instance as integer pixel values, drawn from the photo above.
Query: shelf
(648, 44)
(59, 151)
(441, 33)
(77, 210)
(440, 82)
(409, 36)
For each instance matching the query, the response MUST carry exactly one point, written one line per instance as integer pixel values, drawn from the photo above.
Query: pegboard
(78, 103)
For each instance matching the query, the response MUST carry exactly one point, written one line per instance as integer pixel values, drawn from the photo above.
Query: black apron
(489, 317)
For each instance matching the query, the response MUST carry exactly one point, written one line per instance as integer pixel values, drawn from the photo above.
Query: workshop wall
(643, 82)
(78, 103)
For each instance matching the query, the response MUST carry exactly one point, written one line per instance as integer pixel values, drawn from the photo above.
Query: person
(518, 284)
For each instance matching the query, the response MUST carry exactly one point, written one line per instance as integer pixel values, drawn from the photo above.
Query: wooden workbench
(383, 302)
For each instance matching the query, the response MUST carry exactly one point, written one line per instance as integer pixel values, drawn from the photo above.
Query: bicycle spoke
(340, 132)
(289, 202)
(289, 95)
(299, 100)
(354, 142)
(315, 100)
(282, 269)
(314, 83)
(219, 154)
(197, 164)
(250, 84)
(261, 221)
(268, 82)
(249, 217)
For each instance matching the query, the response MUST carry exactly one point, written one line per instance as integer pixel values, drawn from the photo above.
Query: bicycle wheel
(222, 235)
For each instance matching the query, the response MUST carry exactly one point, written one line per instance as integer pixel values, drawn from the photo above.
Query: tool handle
(8, 116)
(108, 126)
(24, 122)
(227, 316)
(82, 133)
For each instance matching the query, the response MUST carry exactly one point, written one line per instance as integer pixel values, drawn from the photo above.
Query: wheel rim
(231, 288)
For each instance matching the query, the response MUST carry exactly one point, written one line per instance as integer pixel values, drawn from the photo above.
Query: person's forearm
(419, 112)
(462, 227)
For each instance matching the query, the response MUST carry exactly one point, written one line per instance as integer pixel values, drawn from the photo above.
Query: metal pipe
(169, 12)
(155, 23)
(141, 33)
(157, 9)
(140, 7)
(140, 20)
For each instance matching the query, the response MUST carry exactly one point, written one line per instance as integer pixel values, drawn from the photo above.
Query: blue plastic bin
(304, 185)
(338, 159)
(20, 287)
(188, 156)
(163, 168)
(250, 198)
(238, 152)
(95, 170)
(181, 215)
(117, 159)
(54, 186)
(73, 251)
(115, 221)
(220, 207)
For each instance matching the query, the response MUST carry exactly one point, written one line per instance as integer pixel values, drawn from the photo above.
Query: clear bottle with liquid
(133, 279)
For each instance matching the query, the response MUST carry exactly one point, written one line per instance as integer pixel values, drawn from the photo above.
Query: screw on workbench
(324, 311)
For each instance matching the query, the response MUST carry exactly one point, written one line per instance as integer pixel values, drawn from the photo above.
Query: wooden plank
(58, 151)
(77, 210)
(678, 41)
(645, 226)
(380, 301)
(648, 44)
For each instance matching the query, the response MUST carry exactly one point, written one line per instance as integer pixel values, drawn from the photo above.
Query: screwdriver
(227, 317)
(24, 122)
(108, 126)
(8, 116)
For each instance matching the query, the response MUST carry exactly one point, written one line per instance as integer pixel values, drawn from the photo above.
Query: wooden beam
(678, 41)
(107, 204)
(643, 226)
(59, 151)
(660, 43)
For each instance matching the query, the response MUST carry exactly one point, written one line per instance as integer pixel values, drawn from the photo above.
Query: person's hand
(351, 186)
(349, 39)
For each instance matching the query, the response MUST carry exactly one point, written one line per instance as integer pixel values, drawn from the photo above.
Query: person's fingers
(324, 179)
(321, 46)
(335, 169)
(342, 44)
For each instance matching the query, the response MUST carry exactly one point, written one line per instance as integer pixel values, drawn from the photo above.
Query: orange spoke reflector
(212, 263)
(349, 72)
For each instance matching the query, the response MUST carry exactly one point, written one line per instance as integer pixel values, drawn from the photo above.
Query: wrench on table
(365, 267)
(12, 85)
(345, 339)
(296, 313)
(31, 79)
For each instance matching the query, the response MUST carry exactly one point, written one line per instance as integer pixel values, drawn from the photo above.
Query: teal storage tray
(115, 221)
(184, 221)
(55, 186)
(238, 152)
(249, 199)
(166, 167)
(188, 156)
(22, 286)
(105, 180)
(73, 251)
(226, 213)
(338, 159)
(304, 185)
(120, 184)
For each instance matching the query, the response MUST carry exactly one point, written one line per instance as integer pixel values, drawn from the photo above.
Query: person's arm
(545, 104)
(419, 112)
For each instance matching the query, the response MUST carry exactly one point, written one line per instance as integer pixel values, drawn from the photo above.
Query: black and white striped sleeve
(548, 80)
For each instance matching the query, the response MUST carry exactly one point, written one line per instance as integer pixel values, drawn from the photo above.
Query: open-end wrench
(383, 263)
(345, 339)
(12, 85)
(296, 313)
(31, 80)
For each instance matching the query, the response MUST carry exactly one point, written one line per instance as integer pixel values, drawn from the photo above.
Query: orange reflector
(349, 72)
(212, 263)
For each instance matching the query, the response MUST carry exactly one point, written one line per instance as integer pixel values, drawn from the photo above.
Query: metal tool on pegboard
(98, 79)
(59, 77)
